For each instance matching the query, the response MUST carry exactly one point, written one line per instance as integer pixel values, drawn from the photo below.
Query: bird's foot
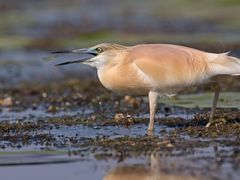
(209, 124)
(216, 121)
(150, 132)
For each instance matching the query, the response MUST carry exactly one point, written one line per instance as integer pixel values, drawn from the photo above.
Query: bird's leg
(153, 98)
(217, 90)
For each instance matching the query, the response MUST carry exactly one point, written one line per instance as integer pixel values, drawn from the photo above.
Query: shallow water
(200, 163)
(72, 155)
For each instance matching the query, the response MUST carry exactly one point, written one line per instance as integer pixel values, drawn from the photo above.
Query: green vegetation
(223, 14)
(226, 100)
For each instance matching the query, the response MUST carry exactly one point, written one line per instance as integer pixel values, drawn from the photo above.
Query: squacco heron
(155, 69)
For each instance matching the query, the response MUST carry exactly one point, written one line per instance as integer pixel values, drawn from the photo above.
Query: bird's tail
(224, 64)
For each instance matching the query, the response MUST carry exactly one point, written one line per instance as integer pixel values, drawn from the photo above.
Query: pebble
(6, 101)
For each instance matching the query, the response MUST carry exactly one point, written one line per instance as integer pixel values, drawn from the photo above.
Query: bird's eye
(99, 50)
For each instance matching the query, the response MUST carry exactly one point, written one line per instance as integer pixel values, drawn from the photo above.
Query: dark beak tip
(56, 65)
(61, 64)
(71, 62)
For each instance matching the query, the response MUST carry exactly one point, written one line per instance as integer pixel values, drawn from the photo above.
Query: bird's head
(98, 55)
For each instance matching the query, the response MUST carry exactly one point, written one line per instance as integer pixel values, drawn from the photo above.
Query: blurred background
(54, 114)
(30, 29)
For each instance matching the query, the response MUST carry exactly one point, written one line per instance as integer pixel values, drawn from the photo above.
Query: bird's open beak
(85, 51)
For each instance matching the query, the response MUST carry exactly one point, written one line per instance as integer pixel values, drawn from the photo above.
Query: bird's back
(170, 66)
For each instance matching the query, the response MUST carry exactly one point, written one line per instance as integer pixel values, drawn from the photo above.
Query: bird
(155, 70)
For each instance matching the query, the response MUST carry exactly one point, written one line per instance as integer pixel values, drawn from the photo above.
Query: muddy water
(78, 130)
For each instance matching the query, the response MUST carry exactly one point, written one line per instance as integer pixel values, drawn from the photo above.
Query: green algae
(202, 100)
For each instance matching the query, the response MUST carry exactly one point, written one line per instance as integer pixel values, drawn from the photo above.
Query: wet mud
(80, 119)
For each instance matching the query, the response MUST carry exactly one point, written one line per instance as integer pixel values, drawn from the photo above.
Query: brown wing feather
(170, 65)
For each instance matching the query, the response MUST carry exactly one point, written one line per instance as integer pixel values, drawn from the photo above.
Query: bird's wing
(169, 65)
